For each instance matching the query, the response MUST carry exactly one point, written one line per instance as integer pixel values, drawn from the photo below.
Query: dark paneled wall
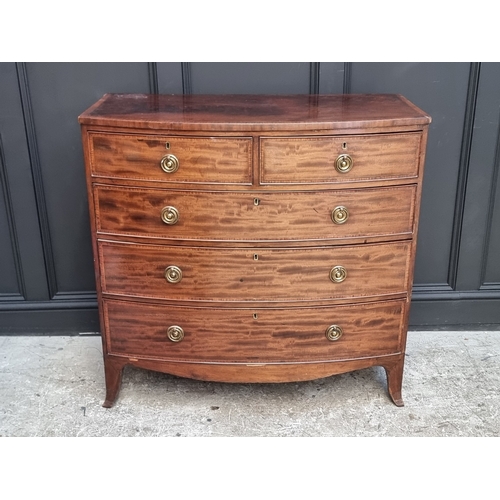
(46, 270)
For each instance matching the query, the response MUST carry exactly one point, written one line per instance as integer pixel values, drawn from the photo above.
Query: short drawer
(291, 160)
(186, 159)
(253, 335)
(236, 216)
(271, 275)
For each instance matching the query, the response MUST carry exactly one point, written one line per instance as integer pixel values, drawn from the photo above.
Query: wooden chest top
(254, 112)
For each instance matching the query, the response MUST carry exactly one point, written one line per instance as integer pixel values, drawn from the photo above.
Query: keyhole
(255, 316)
(256, 202)
(344, 145)
(255, 256)
(167, 146)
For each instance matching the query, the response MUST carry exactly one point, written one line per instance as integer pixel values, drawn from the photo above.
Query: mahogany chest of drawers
(254, 238)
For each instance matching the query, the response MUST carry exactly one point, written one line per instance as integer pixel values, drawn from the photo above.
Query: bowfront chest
(254, 238)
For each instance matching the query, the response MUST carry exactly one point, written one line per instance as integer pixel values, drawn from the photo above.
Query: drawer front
(219, 216)
(213, 274)
(253, 335)
(199, 160)
(314, 159)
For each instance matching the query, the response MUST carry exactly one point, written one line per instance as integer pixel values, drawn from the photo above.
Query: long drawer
(255, 216)
(331, 159)
(192, 159)
(221, 274)
(253, 335)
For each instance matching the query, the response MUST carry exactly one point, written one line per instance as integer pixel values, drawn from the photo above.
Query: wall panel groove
(90, 297)
(463, 171)
(493, 286)
(153, 78)
(492, 199)
(454, 295)
(314, 78)
(50, 305)
(37, 177)
(187, 87)
(4, 181)
(347, 77)
(419, 290)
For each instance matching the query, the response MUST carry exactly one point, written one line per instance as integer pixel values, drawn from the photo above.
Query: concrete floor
(54, 386)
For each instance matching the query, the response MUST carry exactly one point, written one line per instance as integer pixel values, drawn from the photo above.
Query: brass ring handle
(170, 215)
(343, 163)
(338, 274)
(340, 215)
(173, 274)
(169, 164)
(333, 332)
(175, 333)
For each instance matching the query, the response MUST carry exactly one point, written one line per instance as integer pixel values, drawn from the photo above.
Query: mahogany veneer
(254, 274)
(254, 238)
(279, 216)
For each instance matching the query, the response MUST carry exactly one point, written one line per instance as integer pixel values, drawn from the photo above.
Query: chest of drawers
(254, 238)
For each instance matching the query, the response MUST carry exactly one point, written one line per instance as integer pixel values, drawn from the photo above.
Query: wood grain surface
(264, 372)
(220, 274)
(254, 216)
(296, 160)
(254, 112)
(254, 335)
(201, 159)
